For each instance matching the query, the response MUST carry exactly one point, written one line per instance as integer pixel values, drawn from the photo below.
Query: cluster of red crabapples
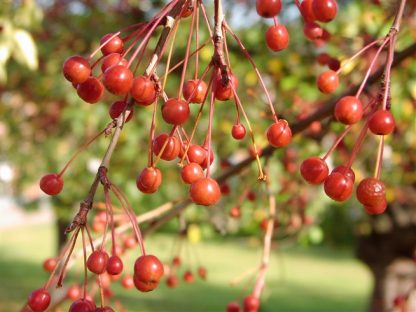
(349, 110)
(217, 83)
(312, 11)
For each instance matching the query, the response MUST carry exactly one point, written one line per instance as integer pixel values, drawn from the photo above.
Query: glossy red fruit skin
(279, 134)
(224, 92)
(197, 96)
(112, 60)
(91, 90)
(82, 305)
(268, 8)
(197, 154)
(127, 282)
(312, 31)
(233, 307)
(115, 45)
(379, 208)
(172, 281)
(175, 112)
(114, 265)
(97, 261)
(338, 186)
(147, 272)
(277, 37)
(325, 10)
(149, 180)
(314, 170)
(188, 277)
(371, 192)
(51, 184)
(251, 304)
(307, 11)
(143, 91)
(238, 132)
(117, 108)
(76, 69)
(348, 110)
(118, 79)
(191, 172)
(328, 81)
(172, 148)
(348, 172)
(49, 264)
(382, 122)
(39, 300)
(205, 191)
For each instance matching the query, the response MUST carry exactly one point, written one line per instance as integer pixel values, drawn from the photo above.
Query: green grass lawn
(299, 279)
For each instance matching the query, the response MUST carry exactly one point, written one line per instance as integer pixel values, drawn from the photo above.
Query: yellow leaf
(25, 51)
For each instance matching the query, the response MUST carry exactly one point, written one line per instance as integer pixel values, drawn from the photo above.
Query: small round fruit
(328, 81)
(197, 154)
(149, 180)
(73, 293)
(176, 261)
(191, 172)
(117, 108)
(114, 45)
(235, 212)
(114, 265)
(381, 122)
(175, 111)
(205, 191)
(312, 31)
(371, 192)
(172, 281)
(112, 60)
(238, 131)
(143, 90)
(51, 184)
(147, 272)
(277, 37)
(91, 90)
(188, 277)
(127, 282)
(348, 110)
(251, 304)
(338, 186)
(268, 8)
(233, 307)
(172, 148)
(97, 261)
(49, 264)
(82, 305)
(195, 96)
(307, 11)
(325, 10)
(118, 79)
(314, 170)
(348, 172)
(223, 90)
(279, 134)
(202, 272)
(76, 69)
(39, 300)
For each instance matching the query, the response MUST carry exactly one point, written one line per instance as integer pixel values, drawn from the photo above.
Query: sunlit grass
(299, 279)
